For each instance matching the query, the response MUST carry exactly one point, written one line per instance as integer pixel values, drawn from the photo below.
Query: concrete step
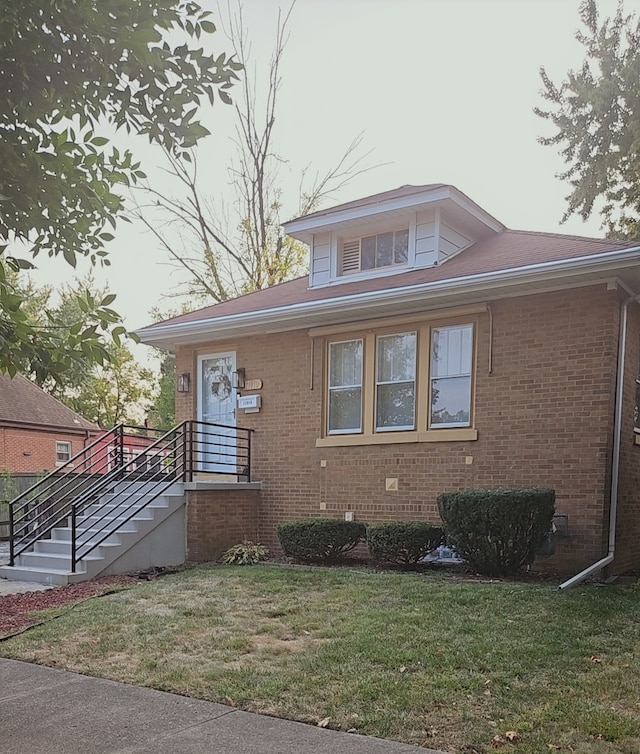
(175, 488)
(125, 546)
(99, 521)
(63, 534)
(63, 547)
(122, 510)
(53, 561)
(51, 577)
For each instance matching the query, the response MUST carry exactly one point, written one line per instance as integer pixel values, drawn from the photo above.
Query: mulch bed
(16, 610)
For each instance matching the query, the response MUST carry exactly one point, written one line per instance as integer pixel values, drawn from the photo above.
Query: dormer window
(372, 252)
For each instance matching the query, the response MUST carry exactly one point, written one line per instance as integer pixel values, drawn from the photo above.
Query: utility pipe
(615, 464)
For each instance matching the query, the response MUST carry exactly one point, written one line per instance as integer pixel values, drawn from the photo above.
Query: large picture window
(409, 385)
(345, 386)
(395, 381)
(450, 394)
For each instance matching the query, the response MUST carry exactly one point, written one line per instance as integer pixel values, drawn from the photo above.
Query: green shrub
(319, 538)
(402, 542)
(497, 531)
(245, 553)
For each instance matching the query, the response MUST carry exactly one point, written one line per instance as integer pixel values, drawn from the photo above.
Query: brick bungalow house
(37, 432)
(431, 348)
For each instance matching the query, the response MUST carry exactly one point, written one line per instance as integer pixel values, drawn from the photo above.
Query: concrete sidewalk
(49, 710)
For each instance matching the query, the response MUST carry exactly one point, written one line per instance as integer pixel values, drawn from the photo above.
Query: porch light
(237, 379)
(184, 382)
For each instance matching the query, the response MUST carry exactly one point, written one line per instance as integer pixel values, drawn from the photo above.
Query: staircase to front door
(118, 506)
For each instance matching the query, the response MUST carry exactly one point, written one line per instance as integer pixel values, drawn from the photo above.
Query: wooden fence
(12, 485)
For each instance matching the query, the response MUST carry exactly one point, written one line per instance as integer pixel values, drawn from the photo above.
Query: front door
(216, 405)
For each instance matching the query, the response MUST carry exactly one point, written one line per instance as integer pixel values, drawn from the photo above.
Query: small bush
(245, 553)
(319, 538)
(498, 531)
(402, 542)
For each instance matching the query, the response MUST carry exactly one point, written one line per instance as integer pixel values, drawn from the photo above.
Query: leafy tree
(55, 326)
(596, 113)
(119, 391)
(163, 411)
(225, 254)
(73, 72)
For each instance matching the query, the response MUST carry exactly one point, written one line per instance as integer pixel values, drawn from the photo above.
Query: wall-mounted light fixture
(184, 382)
(237, 378)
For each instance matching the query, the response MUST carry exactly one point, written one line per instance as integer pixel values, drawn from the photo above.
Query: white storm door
(216, 405)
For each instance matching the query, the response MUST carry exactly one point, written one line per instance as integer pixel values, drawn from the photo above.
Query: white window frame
(336, 388)
(454, 375)
(68, 451)
(378, 382)
(350, 243)
(423, 429)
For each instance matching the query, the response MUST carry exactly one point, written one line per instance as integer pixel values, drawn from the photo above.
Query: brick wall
(219, 519)
(34, 450)
(543, 411)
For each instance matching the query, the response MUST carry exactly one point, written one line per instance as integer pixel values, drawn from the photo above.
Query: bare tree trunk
(223, 259)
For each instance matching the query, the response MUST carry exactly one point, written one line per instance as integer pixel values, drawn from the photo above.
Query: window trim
(58, 451)
(353, 431)
(375, 270)
(450, 425)
(377, 382)
(369, 332)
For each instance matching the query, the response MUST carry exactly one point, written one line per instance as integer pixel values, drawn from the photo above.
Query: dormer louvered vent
(350, 257)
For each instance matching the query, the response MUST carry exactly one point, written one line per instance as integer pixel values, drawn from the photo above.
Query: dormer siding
(413, 227)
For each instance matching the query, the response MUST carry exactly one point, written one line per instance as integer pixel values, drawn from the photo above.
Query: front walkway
(53, 711)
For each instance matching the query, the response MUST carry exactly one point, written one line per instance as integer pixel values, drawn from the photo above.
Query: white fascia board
(309, 313)
(473, 209)
(303, 228)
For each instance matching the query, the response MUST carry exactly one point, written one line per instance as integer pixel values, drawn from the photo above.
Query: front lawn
(425, 659)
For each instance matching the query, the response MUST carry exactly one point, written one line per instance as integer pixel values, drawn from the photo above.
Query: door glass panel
(217, 406)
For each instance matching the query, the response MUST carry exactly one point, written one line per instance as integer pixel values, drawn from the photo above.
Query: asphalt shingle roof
(510, 249)
(23, 402)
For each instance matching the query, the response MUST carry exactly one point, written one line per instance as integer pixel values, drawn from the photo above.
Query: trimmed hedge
(402, 542)
(319, 538)
(498, 531)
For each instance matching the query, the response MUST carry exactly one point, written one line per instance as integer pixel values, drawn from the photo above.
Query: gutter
(339, 304)
(615, 463)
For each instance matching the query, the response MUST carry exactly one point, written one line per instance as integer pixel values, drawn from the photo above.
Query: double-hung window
(413, 384)
(345, 386)
(450, 393)
(395, 382)
(63, 453)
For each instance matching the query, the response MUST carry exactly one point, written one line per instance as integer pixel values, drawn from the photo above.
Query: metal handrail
(190, 447)
(65, 482)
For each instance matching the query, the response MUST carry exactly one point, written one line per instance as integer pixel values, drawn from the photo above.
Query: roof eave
(304, 228)
(422, 296)
(50, 428)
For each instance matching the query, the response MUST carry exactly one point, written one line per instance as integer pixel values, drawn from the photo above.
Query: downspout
(615, 461)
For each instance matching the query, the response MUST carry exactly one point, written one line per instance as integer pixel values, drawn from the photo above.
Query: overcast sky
(442, 91)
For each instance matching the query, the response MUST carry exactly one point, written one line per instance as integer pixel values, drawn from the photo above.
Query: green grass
(419, 658)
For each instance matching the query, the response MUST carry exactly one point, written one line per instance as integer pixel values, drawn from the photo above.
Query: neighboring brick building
(431, 349)
(37, 432)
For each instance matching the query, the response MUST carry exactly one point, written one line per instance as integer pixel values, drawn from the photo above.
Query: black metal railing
(122, 472)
